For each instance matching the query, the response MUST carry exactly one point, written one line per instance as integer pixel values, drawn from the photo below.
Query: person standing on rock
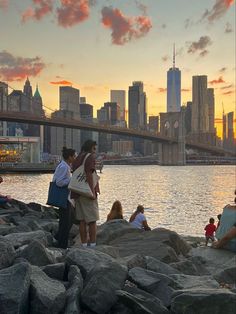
(61, 177)
(86, 209)
(138, 219)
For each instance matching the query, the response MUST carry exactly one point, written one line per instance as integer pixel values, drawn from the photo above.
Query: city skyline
(43, 40)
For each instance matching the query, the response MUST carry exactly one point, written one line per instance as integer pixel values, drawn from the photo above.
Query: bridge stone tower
(172, 125)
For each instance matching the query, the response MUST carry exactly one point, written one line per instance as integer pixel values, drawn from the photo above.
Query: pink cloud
(73, 12)
(162, 90)
(4, 4)
(217, 81)
(218, 10)
(40, 9)
(18, 68)
(124, 28)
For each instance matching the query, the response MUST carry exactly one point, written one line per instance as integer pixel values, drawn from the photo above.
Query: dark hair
(87, 146)
(211, 220)
(219, 216)
(140, 208)
(67, 152)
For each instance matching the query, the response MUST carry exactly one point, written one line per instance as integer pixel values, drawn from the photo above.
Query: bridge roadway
(15, 116)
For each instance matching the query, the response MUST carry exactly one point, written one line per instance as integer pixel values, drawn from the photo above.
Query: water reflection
(179, 198)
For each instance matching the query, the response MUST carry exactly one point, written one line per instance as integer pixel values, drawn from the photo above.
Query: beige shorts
(86, 209)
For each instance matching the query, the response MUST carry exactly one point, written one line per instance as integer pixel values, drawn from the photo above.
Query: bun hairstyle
(67, 152)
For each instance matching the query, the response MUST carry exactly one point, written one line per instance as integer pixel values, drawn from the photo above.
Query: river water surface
(178, 198)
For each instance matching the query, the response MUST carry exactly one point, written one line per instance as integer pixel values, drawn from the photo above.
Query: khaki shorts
(86, 209)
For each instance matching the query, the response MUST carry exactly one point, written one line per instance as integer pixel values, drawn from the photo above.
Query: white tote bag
(78, 182)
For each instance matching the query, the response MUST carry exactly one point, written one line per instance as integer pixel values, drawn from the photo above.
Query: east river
(178, 198)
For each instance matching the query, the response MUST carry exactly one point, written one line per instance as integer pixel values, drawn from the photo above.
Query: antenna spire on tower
(174, 56)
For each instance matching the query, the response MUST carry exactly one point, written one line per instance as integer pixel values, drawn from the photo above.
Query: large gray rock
(190, 282)
(14, 289)
(161, 244)
(226, 276)
(109, 250)
(46, 295)
(159, 285)
(37, 255)
(7, 253)
(140, 302)
(86, 259)
(99, 293)
(19, 239)
(113, 229)
(192, 266)
(159, 267)
(204, 302)
(55, 271)
(135, 260)
(73, 292)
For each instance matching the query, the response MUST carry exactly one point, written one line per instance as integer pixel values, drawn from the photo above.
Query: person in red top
(210, 229)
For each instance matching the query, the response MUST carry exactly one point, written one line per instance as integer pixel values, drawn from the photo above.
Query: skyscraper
(70, 100)
(200, 111)
(27, 89)
(224, 128)
(118, 96)
(3, 106)
(230, 130)
(173, 88)
(211, 109)
(137, 106)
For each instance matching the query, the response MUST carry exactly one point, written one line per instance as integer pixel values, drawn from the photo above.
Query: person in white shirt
(138, 219)
(61, 177)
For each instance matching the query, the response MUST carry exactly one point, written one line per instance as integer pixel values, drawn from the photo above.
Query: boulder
(19, 239)
(46, 295)
(202, 301)
(135, 260)
(99, 293)
(86, 259)
(19, 229)
(114, 229)
(14, 289)
(140, 302)
(55, 271)
(109, 250)
(37, 255)
(159, 285)
(227, 275)
(7, 253)
(74, 291)
(192, 266)
(190, 282)
(157, 266)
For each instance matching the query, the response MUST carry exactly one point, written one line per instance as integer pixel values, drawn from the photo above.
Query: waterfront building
(122, 147)
(153, 124)
(86, 115)
(114, 110)
(173, 88)
(70, 100)
(137, 106)
(188, 117)
(118, 96)
(211, 109)
(3, 106)
(200, 111)
(224, 120)
(230, 130)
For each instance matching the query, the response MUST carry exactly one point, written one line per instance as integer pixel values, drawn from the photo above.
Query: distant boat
(99, 165)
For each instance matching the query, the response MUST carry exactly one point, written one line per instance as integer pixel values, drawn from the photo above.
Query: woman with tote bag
(86, 208)
(61, 178)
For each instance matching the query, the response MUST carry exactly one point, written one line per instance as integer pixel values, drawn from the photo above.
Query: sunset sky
(98, 45)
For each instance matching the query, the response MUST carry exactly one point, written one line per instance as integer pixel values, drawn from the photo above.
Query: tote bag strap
(83, 163)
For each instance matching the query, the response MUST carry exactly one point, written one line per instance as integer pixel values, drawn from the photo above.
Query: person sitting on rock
(218, 223)
(138, 219)
(223, 242)
(226, 233)
(116, 211)
(210, 229)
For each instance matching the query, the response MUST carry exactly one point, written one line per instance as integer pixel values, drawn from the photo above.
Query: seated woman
(116, 211)
(226, 234)
(4, 199)
(138, 219)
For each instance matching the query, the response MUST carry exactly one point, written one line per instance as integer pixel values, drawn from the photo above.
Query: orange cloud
(42, 8)
(63, 82)
(73, 12)
(185, 90)
(228, 93)
(162, 90)
(17, 68)
(217, 81)
(124, 28)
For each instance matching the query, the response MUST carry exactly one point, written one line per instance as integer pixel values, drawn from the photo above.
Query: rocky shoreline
(130, 271)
